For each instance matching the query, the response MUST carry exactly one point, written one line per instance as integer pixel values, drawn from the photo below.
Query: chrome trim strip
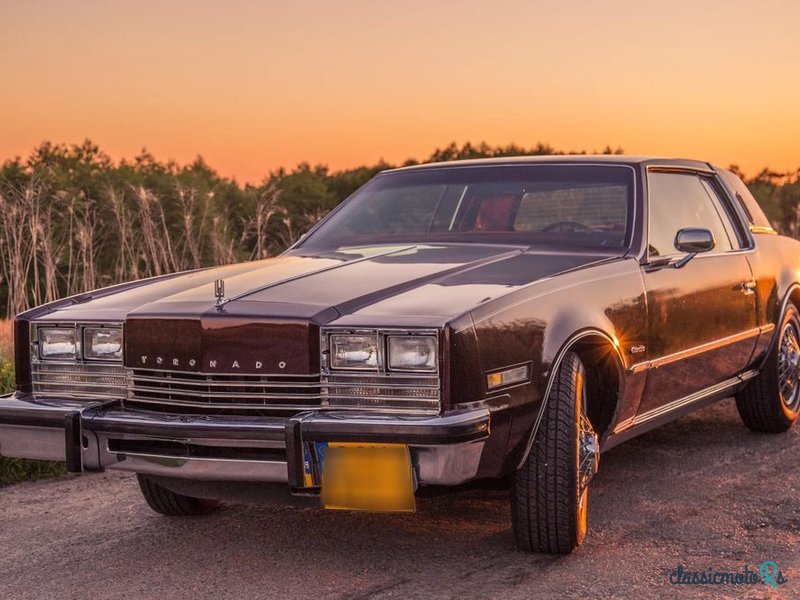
(366, 418)
(695, 350)
(762, 229)
(388, 386)
(411, 411)
(121, 372)
(400, 399)
(388, 375)
(211, 469)
(81, 384)
(220, 405)
(137, 369)
(690, 399)
(257, 381)
(62, 395)
(166, 392)
(680, 169)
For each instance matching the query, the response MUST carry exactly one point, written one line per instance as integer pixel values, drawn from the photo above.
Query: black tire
(169, 503)
(771, 401)
(549, 496)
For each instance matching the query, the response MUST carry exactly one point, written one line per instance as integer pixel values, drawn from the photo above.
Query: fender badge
(637, 349)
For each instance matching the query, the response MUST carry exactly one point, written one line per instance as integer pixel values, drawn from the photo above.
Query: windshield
(562, 205)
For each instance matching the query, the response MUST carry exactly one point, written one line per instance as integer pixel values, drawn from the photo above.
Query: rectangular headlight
(354, 352)
(57, 342)
(412, 353)
(102, 343)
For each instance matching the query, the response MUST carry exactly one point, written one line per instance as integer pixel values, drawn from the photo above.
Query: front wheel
(550, 493)
(771, 401)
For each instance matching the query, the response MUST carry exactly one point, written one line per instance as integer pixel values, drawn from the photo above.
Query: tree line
(72, 219)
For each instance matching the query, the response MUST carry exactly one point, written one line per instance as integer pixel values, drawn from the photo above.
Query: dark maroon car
(484, 320)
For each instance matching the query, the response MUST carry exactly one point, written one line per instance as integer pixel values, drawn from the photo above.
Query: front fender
(539, 323)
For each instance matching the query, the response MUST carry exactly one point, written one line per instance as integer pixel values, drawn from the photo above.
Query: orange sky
(255, 85)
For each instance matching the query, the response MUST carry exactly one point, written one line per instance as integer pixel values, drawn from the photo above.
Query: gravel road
(702, 492)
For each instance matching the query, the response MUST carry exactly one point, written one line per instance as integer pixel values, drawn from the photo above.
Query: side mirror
(694, 240)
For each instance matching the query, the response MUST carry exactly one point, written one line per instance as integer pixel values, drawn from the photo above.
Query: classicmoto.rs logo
(767, 573)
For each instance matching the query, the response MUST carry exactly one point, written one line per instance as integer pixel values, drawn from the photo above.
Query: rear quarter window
(746, 200)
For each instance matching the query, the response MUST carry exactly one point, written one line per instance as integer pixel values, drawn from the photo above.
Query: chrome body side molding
(651, 419)
(689, 352)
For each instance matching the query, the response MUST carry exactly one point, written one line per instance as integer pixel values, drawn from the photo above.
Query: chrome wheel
(589, 456)
(789, 365)
(588, 462)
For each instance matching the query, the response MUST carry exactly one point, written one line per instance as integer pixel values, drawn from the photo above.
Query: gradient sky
(257, 85)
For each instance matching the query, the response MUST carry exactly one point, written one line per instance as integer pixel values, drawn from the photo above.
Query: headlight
(102, 343)
(354, 352)
(412, 353)
(57, 342)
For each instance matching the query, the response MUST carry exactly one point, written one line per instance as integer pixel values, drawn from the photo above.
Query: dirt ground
(702, 492)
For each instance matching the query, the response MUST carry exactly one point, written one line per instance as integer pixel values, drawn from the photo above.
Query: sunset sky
(257, 85)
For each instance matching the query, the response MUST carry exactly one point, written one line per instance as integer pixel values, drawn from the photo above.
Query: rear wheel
(168, 503)
(771, 401)
(550, 493)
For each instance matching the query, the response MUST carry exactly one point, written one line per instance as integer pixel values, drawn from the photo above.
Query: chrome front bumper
(92, 436)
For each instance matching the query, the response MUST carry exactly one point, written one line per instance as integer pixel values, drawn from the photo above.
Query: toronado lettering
(212, 363)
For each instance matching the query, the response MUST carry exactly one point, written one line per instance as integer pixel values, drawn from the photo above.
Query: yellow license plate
(373, 477)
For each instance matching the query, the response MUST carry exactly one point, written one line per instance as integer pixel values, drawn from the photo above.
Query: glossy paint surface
(701, 303)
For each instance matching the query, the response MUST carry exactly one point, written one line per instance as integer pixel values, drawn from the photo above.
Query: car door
(702, 316)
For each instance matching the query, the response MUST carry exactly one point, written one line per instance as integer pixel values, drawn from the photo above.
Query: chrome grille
(73, 380)
(200, 393)
(393, 391)
(194, 393)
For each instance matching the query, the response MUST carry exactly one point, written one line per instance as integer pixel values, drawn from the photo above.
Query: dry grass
(6, 338)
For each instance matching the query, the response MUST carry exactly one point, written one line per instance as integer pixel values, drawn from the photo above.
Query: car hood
(439, 281)
(270, 317)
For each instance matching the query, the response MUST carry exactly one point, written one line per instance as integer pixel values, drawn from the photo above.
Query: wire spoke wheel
(789, 365)
(770, 403)
(588, 459)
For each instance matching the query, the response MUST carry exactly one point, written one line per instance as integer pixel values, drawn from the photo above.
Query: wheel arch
(790, 293)
(605, 366)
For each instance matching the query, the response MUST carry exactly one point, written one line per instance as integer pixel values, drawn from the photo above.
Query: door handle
(748, 287)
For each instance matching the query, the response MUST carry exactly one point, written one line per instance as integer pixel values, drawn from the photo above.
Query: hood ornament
(219, 293)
